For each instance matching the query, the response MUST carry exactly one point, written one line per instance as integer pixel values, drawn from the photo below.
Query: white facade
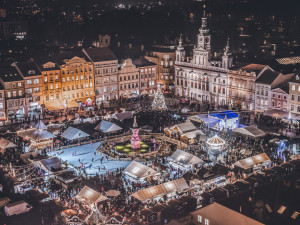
(199, 78)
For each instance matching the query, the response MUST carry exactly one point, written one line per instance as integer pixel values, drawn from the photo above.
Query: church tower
(180, 53)
(202, 52)
(227, 58)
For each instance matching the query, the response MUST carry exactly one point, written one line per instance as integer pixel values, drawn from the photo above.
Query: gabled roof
(251, 161)
(100, 54)
(250, 131)
(72, 133)
(6, 144)
(9, 73)
(139, 170)
(28, 69)
(40, 125)
(90, 196)
(185, 158)
(122, 116)
(252, 67)
(161, 190)
(41, 61)
(107, 127)
(219, 214)
(50, 163)
(282, 81)
(185, 127)
(67, 55)
(142, 62)
(267, 76)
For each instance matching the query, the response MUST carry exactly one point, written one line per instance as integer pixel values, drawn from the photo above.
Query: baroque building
(199, 77)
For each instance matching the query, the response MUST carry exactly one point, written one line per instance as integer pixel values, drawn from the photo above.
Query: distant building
(14, 90)
(241, 85)
(165, 60)
(294, 97)
(2, 105)
(147, 75)
(128, 80)
(33, 86)
(199, 76)
(77, 75)
(105, 73)
(16, 30)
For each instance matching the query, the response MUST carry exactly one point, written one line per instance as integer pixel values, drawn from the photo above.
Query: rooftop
(142, 62)
(99, 54)
(9, 74)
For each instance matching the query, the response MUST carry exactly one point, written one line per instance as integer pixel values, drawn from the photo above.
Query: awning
(55, 105)
(90, 196)
(72, 133)
(185, 158)
(251, 131)
(139, 170)
(72, 104)
(252, 161)
(6, 144)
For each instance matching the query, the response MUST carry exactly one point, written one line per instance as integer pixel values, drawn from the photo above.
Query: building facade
(77, 75)
(241, 86)
(105, 73)
(147, 76)
(14, 90)
(128, 80)
(294, 97)
(165, 60)
(33, 87)
(2, 105)
(51, 83)
(199, 77)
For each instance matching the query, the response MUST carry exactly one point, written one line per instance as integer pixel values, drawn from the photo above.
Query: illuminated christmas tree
(159, 100)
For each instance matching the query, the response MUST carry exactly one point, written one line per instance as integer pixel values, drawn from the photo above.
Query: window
(292, 107)
(293, 97)
(29, 82)
(63, 80)
(298, 98)
(51, 86)
(91, 84)
(20, 93)
(81, 77)
(293, 87)
(56, 77)
(36, 81)
(68, 79)
(14, 93)
(56, 86)
(298, 108)
(206, 222)
(199, 219)
(19, 84)
(1, 105)
(298, 88)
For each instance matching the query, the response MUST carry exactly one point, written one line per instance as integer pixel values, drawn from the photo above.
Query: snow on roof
(16, 203)
(215, 140)
(48, 164)
(39, 135)
(204, 118)
(252, 161)
(89, 195)
(185, 158)
(161, 190)
(250, 131)
(72, 133)
(122, 116)
(139, 170)
(107, 127)
(219, 214)
(193, 134)
(6, 144)
(40, 125)
(184, 127)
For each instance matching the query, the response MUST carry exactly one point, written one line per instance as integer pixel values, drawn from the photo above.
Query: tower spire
(227, 48)
(180, 47)
(203, 29)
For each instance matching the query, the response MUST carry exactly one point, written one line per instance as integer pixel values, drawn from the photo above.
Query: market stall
(254, 163)
(73, 134)
(216, 142)
(5, 144)
(184, 160)
(138, 172)
(250, 131)
(167, 189)
(108, 127)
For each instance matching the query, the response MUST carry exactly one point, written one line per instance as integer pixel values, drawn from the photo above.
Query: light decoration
(159, 101)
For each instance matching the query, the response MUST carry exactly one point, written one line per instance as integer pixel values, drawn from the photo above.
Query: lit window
(298, 88)
(295, 215)
(206, 222)
(281, 209)
(199, 219)
(293, 87)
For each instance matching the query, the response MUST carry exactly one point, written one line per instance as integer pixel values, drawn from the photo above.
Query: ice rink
(85, 154)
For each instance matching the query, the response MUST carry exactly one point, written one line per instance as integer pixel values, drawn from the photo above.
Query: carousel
(216, 143)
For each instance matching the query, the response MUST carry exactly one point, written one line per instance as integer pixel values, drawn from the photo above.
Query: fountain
(135, 140)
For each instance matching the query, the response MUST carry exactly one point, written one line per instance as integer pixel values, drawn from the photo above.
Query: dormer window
(31, 72)
(297, 77)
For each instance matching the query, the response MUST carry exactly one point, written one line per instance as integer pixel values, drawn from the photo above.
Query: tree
(159, 101)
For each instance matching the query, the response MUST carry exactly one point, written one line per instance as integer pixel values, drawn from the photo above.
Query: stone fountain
(135, 140)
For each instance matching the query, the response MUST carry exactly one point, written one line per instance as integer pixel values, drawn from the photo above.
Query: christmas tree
(159, 100)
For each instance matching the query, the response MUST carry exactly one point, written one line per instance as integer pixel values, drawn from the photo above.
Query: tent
(113, 193)
(122, 116)
(160, 190)
(4, 144)
(107, 127)
(90, 196)
(251, 131)
(185, 159)
(250, 162)
(139, 171)
(48, 164)
(72, 133)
